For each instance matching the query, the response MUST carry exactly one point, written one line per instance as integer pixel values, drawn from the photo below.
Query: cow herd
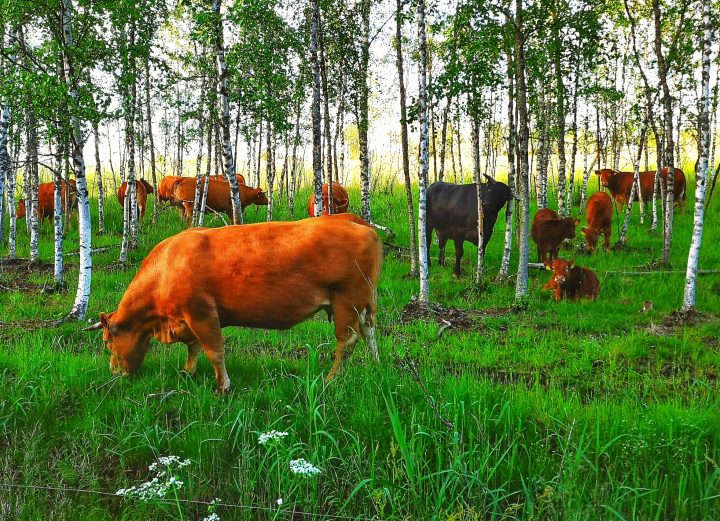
(275, 275)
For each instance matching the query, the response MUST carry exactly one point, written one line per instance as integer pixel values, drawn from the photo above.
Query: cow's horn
(94, 327)
(489, 179)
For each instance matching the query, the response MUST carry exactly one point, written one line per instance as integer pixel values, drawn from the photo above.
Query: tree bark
(478, 188)
(204, 118)
(635, 189)
(363, 116)
(443, 138)
(423, 243)
(326, 117)
(505, 263)
(521, 285)
(5, 162)
(404, 141)
(225, 118)
(560, 93)
(151, 142)
(668, 133)
(270, 171)
(316, 101)
(573, 153)
(58, 215)
(702, 175)
(98, 176)
(82, 296)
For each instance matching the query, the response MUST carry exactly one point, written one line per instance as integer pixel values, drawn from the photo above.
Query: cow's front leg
(191, 364)
(209, 334)
(458, 256)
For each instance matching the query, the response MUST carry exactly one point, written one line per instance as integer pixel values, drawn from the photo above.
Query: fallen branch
(409, 364)
(664, 272)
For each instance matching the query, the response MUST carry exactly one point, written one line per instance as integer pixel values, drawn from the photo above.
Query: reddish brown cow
(46, 200)
(142, 193)
(548, 231)
(572, 282)
(267, 275)
(218, 197)
(620, 184)
(340, 200)
(167, 185)
(599, 220)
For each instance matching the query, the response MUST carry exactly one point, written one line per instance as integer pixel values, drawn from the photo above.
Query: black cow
(452, 212)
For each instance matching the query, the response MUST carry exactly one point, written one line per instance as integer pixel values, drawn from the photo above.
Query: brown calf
(548, 231)
(572, 282)
(599, 220)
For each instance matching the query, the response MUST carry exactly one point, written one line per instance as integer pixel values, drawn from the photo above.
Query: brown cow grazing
(46, 200)
(166, 187)
(340, 200)
(548, 231)
(268, 275)
(142, 193)
(620, 184)
(599, 220)
(218, 197)
(572, 282)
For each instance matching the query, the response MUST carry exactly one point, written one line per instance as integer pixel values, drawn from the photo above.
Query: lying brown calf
(572, 282)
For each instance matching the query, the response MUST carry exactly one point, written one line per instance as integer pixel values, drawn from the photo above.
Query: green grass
(586, 410)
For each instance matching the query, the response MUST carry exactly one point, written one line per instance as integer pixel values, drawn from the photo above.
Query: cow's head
(605, 175)
(561, 271)
(260, 197)
(591, 236)
(569, 224)
(240, 179)
(127, 344)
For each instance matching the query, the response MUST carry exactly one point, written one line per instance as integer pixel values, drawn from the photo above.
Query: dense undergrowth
(591, 410)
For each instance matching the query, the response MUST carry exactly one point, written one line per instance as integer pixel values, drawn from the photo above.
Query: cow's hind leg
(347, 327)
(367, 326)
(209, 334)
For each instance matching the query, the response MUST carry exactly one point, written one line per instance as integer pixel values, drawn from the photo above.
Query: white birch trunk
(635, 190)
(58, 216)
(5, 166)
(363, 116)
(82, 296)
(98, 176)
(521, 284)
(424, 296)
(34, 183)
(478, 189)
(586, 170)
(316, 117)
(507, 250)
(701, 176)
(270, 172)
(225, 120)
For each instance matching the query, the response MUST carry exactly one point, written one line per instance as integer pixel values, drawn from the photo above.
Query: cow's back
(541, 217)
(270, 275)
(451, 206)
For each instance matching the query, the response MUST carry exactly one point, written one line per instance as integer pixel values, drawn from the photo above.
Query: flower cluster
(304, 468)
(212, 517)
(153, 489)
(270, 436)
(162, 483)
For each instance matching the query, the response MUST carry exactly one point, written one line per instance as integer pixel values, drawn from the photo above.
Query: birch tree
(404, 140)
(507, 249)
(424, 296)
(701, 177)
(316, 118)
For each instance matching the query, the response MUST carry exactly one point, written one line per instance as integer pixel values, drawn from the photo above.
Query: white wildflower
(271, 436)
(212, 517)
(157, 487)
(279, 501)
(304, 468)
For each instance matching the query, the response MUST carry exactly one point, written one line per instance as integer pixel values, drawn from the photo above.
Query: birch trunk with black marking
(542, 184)
(316, 118)
(208, 166)
(294, 162)
(521, 285)
(560, 94)
(404, 141)
(58, 214)
(151, 142)
(5, 162)
(82, 296)
(326, 118)
(363, 113)
(701, 176)
(424, 253)
(668, 137)
(225, 116)
(33, 180)
(478, 188)
(507, 250)
(270, 172)
(99, 180)
(202, 121)
(443, 138)
(573, 152)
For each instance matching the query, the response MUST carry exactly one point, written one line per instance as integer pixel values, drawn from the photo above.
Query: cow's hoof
(223, 391)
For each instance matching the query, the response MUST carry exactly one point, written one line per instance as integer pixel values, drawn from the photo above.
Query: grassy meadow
(590, 410)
